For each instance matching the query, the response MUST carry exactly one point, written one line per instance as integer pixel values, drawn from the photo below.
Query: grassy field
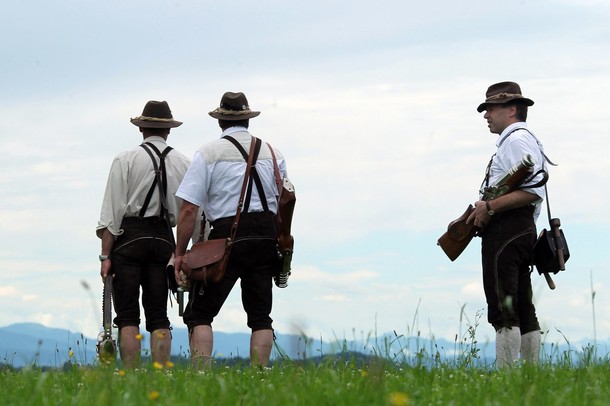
(337, 380)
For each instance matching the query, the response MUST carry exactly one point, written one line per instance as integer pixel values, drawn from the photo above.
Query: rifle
(106, 344)
(459, 234)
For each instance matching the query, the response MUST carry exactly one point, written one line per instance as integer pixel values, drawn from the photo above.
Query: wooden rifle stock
(459, 234)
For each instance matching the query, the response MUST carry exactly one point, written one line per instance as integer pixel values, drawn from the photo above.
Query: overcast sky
(373, 105)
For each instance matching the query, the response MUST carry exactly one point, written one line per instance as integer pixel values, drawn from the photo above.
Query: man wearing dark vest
(137, 239)
(508, 229)
(214, 182)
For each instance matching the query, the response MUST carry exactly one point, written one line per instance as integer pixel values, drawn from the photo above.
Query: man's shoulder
(137, 154)
(523, 135)
(213, 146)
(519, 134)
(128, 153)
(176, 154)
(220, 150)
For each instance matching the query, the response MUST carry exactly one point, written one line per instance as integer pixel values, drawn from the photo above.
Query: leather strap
(546, 175)
(240, 205)
(254, 175)
(276, 169)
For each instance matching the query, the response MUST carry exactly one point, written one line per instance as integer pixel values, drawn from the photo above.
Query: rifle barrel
(511, 179)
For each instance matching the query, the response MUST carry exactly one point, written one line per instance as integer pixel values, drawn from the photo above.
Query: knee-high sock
(508, 343)
(530, 346)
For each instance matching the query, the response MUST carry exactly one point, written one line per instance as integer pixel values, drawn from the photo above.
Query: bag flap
(206, 252)
(544, 255)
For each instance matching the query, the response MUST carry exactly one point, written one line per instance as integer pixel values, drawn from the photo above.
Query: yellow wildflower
(122, 372)
(139, 336)
(363, 373)
(154, 395)
(169, 364)
(399, 399)
(157, 365)
(70, 354)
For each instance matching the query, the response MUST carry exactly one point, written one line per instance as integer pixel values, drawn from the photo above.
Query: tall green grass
(388, 373)
(335, 380)
(347, 377)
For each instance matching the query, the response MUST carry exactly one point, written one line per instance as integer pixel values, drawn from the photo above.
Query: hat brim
(155, 124)
(233, 116)
(522, 100)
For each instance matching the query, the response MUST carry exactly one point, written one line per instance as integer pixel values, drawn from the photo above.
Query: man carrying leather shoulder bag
(214, 181)
(507, 227)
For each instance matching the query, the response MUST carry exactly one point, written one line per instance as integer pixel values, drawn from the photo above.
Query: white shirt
(131, 176)
(512, 146)
(216, 175)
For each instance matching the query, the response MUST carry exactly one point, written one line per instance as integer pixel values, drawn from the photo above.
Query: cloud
(9, 291)
(374, 108)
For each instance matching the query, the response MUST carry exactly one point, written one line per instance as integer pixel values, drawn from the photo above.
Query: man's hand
(105, 268)
(479, 217)
(513, 200)
(181, 278)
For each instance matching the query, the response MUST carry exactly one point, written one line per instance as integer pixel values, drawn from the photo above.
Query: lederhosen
(139, 259)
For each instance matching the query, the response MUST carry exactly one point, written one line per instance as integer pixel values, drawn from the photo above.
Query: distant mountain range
(26, 344)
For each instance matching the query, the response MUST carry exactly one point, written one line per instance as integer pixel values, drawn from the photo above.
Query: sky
(372, 104)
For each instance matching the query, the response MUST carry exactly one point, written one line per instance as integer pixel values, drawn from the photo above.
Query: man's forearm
(513, 200)
(107, 242)
(185, 226)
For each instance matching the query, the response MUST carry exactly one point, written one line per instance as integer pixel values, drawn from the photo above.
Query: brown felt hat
(233, 106)
(156, 114)
(504, 92)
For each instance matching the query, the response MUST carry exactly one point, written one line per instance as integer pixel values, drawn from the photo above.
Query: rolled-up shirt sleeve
(115, 200)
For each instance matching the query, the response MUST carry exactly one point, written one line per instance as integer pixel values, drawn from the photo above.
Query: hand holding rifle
(461, 231)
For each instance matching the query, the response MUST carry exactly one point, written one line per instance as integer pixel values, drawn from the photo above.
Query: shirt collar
(232, 130)
(155, 138)
(508, 130)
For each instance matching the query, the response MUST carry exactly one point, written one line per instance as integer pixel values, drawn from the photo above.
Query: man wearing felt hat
(135, 229)
(214, 182)
(507, 226)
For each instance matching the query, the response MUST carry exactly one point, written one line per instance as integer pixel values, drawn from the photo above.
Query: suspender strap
(254, 174)
(545, 174)
(240, 205)
(530, 133)
(160, 179)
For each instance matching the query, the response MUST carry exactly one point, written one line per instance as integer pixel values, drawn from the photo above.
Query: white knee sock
(530, 347)
(508, 343)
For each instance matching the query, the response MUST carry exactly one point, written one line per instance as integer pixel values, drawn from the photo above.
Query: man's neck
(150, 137)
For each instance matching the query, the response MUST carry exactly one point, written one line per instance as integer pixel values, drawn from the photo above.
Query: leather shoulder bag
(206, 261)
